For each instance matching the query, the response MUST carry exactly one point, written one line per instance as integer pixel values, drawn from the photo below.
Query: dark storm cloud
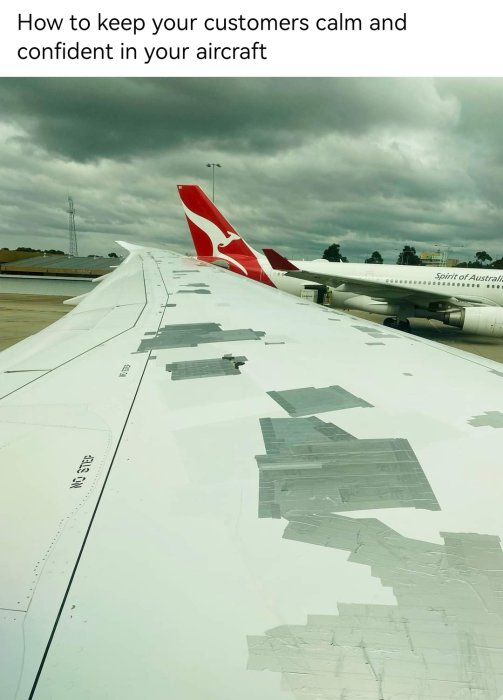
(87, 119)
(369, 163)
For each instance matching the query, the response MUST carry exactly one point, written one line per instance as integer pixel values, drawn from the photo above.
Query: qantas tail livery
(468, 299)
(216, 240)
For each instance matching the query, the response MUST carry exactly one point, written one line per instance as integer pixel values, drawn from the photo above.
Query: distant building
(60, 265)
(62, 275)
(437, 258)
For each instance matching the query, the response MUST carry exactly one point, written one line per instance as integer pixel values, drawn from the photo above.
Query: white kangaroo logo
(218, 239)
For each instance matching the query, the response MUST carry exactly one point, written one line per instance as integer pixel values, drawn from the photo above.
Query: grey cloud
(369, 163)
(86, 119)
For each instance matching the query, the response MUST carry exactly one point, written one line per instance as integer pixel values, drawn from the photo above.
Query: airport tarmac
(22, 315)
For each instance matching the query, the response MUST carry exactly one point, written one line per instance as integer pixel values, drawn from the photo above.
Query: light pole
(213, 166)
(443, 255)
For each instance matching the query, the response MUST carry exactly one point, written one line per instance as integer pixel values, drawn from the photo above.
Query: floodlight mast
(71, 228)
(213, 166)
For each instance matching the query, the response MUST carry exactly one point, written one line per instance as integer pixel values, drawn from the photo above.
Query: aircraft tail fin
(215, 239)
(277, 261)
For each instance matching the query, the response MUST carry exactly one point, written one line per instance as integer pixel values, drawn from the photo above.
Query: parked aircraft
(467, 298)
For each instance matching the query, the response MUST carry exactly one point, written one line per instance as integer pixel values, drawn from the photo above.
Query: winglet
(132, 247)
(277, 261)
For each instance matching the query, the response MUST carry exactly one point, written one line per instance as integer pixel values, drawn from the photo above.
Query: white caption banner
(223, 38)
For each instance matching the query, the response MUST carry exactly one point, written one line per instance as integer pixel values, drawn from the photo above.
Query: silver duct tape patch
(308, 400)
(443, 638)
(375, 332)
(193, 291)
(283, 434)
(312, 466)
(185, 335)
(198, 369)
(492, 419)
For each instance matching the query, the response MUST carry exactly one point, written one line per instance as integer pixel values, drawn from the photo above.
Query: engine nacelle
(479, 320)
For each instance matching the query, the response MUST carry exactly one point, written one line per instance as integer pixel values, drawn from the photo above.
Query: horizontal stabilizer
(277, 261)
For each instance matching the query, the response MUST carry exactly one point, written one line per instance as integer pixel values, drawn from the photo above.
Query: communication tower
(71, 228)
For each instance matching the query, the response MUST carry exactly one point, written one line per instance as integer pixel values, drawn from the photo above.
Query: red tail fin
(215, 239)
(277, 261)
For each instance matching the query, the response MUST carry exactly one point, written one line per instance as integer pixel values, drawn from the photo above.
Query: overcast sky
(367, 163)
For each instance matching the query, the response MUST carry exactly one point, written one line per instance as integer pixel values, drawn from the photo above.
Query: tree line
(52, 251)
(408, 256)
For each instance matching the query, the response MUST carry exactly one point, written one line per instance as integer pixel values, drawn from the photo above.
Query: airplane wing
(211, 489)
(388, 292)
(369, 287)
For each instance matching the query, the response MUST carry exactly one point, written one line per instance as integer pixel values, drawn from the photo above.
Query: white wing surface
(211, 490)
